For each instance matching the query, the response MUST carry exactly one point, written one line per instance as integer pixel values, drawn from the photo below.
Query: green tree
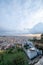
(20, 60)
(2, 59)
(42, 36)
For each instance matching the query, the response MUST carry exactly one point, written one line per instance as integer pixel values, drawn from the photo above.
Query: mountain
(38, 28)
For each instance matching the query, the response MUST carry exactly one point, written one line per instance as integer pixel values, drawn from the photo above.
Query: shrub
(20, 60)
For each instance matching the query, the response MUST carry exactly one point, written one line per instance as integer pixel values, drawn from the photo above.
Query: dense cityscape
(28, 45)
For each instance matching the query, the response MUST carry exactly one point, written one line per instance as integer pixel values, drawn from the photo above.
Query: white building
(31, 51)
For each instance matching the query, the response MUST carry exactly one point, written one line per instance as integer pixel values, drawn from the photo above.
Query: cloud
(20, 14)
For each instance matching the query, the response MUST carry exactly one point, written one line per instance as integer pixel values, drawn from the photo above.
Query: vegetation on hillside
(13, 57)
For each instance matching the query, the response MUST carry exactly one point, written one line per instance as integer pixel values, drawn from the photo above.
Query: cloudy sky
(20, 14)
